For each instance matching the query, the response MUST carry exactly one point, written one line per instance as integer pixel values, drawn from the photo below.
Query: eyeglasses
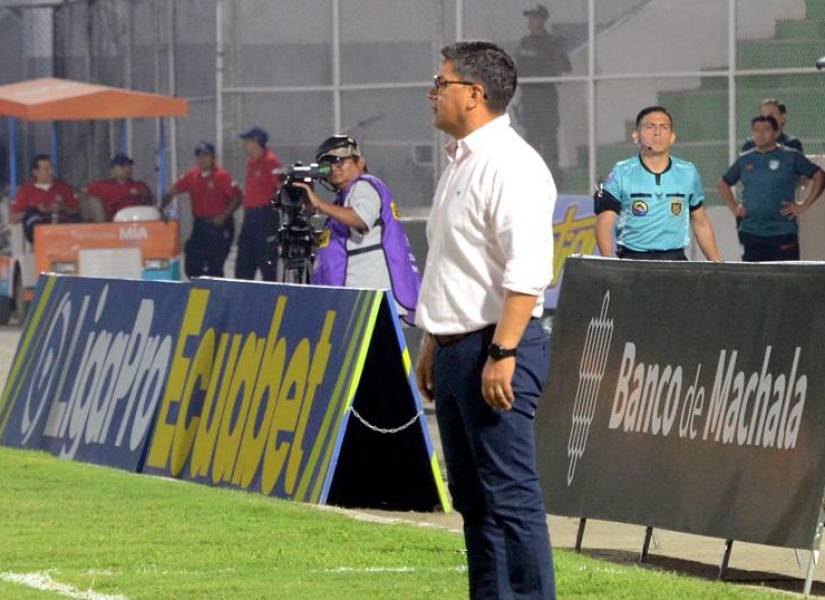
(333, 161)
(439, 83)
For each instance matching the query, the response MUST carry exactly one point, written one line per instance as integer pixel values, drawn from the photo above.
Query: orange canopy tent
(51, 99)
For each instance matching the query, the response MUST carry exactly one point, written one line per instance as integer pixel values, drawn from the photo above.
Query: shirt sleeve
(365, 201)
(610, 197)
(521, 216)
(803, 166)
(21, 201)
(146, 193)
(748, 144)
(795, 143)
(184, 184)
(697, 196)
(274, 163)
(69, 199)
(733, 174)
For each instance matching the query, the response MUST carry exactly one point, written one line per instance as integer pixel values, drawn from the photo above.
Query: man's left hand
(219, 221)
(496, 383)
(792, 210)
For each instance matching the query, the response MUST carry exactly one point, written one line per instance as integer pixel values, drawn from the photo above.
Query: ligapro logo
(591, 372)
(85, 374)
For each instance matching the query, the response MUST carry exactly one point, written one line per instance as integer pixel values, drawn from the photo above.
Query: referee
(653, 199)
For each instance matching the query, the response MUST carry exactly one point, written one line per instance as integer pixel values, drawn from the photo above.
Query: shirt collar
(457, 149)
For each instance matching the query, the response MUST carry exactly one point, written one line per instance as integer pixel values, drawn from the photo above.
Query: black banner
(688, 396)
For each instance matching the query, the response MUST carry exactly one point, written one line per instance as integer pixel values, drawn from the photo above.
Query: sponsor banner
(237, 384)
(574, 232)
(687, 396)
(90, 369)
(259, 386)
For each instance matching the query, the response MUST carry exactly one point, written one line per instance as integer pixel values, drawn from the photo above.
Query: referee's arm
(703, 232)
(607, 208)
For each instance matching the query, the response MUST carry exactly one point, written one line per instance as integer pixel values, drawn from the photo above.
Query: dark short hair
(652, 109)
(487, 64)
(765, 119)
(35, 162)
(774, 102)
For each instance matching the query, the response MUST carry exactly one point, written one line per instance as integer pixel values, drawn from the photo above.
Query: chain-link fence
(304, 70)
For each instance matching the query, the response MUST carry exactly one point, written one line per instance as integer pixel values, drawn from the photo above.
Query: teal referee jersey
(653, 208)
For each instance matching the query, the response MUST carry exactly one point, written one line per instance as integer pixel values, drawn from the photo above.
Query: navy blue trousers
(491, 467)
(207, 248)
(255, 243)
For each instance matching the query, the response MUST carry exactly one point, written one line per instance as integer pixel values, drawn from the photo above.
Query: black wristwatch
(496, 352)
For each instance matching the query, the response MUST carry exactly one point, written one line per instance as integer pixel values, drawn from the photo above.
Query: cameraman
(363, 244)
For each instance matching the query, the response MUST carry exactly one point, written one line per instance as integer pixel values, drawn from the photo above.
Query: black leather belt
(451, 339)
(448, 340)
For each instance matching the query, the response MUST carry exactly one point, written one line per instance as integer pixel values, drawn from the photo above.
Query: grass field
(146, 538)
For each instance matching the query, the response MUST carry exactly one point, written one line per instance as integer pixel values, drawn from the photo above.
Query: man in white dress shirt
(485, 356)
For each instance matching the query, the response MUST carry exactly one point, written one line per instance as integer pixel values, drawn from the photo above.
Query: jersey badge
(676, 207)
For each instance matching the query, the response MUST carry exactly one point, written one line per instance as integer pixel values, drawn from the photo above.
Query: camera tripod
(295, 270)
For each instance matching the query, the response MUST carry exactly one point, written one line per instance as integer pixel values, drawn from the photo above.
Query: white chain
(381, 429)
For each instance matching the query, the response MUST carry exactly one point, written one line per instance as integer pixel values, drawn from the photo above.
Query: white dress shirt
(490, 230)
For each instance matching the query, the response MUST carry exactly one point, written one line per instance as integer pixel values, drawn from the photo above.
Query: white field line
(43, 582)
(358, 515)
(393, 570)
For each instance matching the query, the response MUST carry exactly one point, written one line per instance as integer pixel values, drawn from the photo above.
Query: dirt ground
(750, 564)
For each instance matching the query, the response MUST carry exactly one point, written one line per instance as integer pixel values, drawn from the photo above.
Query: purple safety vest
(332, 258)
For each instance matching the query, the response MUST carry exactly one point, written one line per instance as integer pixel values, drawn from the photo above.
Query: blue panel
(91, 368)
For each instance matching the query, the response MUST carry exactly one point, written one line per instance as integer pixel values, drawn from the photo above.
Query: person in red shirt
(120, 190)
(254, 252)
(44, 199)
(214, 197)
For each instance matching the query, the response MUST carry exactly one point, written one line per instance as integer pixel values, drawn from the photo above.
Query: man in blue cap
(258, 224)
(120, 190)
(214, 198)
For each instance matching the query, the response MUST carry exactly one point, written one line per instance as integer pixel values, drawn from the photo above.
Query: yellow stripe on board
(353, 386)
(22, 352)
(439, 484)
(359, 311)
(405, 358)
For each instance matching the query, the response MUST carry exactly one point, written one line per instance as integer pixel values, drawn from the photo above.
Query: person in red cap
(43, 199)
(258, 224)
(120, 190)
(215, 197)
